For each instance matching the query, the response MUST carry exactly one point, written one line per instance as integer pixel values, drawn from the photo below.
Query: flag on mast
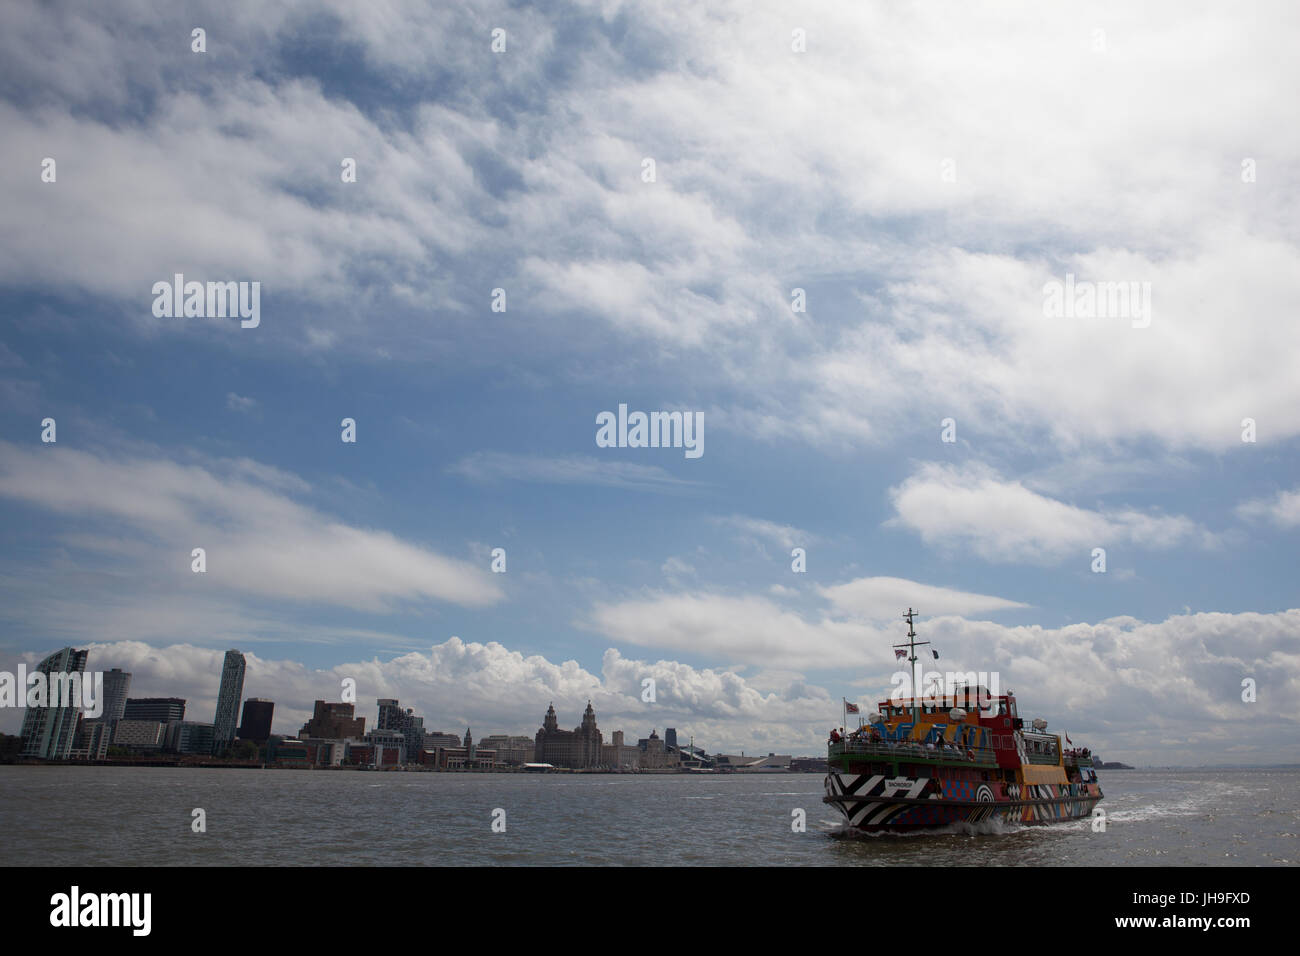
(899, 653)
(850, 708)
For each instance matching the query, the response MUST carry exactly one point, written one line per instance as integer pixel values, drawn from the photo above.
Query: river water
(91, 816)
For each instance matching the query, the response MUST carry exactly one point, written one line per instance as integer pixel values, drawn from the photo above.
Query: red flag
(1068, 740)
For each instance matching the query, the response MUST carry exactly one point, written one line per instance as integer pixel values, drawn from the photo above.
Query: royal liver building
(569, 748)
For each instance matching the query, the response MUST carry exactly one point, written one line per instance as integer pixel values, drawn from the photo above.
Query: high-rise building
(117, 684)
(162, 709)
(393, 717)
(255, 724)
(333, 721)
(48, 731)
(670, 738)
(228, 697)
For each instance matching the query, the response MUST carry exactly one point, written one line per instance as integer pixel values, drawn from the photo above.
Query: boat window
(1002, 708)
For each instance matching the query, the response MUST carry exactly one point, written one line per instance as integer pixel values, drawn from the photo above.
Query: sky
(830, 233)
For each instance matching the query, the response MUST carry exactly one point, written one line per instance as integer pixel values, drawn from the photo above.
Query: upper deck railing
(911, 750)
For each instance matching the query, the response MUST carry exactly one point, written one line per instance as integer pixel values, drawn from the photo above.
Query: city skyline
(172, 709)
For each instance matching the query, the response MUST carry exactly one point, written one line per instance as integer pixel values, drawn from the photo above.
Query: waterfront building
(358, 753)
(617, 754)
(670, 738)
(139, 735)
(511, 751)
(654, 755)
(228, 697)
(91, 739)
(393, 717)
(162, 709)
(117, 684)
(389, 747)
(809, 764)
(468, 756)
(333, 721)
(435, 739)
(189, 737)
(255, 722)
(48, 731)
(322, 752)
(287, 750)
(751, 764)
(577, 748)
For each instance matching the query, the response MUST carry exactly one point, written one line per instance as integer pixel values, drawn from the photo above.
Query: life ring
(969, 754)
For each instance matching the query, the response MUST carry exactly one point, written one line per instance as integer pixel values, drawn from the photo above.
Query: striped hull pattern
(876, 802)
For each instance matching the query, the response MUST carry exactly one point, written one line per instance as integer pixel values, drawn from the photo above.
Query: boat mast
(911, 645)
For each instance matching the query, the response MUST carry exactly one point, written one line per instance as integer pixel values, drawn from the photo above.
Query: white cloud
(787, 536)
(1166, 692)
(883, 599)
(239, 403)
(675, 567)
(756, 194)
(1282, 510)
(748, 628)
(258, 541)
(568, 470)
(972, 506)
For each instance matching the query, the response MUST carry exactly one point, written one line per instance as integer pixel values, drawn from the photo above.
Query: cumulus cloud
(1166, 692)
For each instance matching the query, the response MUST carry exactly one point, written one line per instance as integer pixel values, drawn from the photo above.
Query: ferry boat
(930, 762)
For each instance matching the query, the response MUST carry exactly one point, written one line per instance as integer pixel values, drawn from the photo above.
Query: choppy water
(142, 817)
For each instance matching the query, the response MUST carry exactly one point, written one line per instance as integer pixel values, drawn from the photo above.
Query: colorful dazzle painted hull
(876, 802)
